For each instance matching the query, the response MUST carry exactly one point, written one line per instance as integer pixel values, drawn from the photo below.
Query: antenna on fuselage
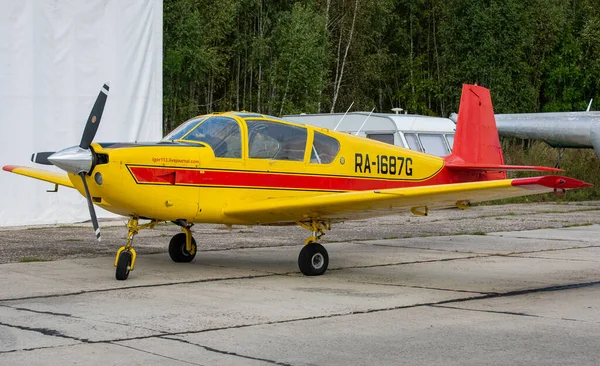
(363, 124)
(341, 119)
(589, 105)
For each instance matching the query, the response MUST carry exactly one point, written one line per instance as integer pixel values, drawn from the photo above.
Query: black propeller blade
(42, 157)
(93, 121)
(91, 207)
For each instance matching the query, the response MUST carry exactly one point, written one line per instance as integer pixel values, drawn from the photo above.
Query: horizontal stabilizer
(501, 168)
(45, 175)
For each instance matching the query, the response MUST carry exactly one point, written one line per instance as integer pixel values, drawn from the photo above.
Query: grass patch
(478, 233)
(33, 259)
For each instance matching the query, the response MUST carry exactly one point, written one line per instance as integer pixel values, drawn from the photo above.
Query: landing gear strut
(313, 259)
(126, 255)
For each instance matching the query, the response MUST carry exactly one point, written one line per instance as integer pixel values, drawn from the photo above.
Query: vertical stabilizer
(476, 139)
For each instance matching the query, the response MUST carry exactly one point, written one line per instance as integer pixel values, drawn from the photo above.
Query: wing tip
(9, 168)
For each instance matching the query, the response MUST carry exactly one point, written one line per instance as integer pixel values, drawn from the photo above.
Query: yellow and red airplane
(239, 168)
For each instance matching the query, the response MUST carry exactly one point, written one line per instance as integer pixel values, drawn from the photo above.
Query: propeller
(80, 159)
(91, 207)
(42, 157)
(93, 121)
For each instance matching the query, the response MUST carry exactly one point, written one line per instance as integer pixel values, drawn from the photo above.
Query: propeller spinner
(80, 159)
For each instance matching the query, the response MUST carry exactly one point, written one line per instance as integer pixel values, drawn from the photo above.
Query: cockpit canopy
(267, 138)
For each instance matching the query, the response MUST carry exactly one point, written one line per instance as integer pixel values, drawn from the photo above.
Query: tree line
(284, 57)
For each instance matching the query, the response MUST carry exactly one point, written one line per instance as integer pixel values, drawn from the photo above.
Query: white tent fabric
(54, 58)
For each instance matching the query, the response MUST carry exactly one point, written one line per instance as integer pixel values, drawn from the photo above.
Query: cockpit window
(222, 134)
(183, 129)
(324, 149)
(278, 141)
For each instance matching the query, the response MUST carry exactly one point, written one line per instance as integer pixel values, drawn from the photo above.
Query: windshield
(222, 134)
(183, 129)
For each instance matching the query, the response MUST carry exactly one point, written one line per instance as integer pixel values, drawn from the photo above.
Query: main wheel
(123, 265)
(313, 260)
(177, 249)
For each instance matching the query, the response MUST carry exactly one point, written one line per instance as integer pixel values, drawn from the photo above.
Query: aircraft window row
(222, 134)
(266, 139)
(430, 143)
(324, 149)
(269, 140)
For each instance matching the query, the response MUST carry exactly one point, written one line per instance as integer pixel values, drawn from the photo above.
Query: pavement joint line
(533, 237)
(38, 348)
(409, 247)
(412, 262)
(550, 258)
(513, 313)
(211, 349)
(46, 332)
(155, 354)
(357, 312)
(425, 287)
(487, 311)
(76, 293)
(78, 317)
(544, 251)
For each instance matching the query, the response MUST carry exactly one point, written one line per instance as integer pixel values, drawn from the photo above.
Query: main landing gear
(313, 259)
(182, 247)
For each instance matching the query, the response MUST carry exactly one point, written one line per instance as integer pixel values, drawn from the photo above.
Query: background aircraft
(559, 129)
(240, 168)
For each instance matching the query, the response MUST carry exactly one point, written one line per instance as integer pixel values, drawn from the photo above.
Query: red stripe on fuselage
(198, 177)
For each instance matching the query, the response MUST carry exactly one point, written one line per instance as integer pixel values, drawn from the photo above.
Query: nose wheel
(123, 265)
(126, 255)
(313, 260)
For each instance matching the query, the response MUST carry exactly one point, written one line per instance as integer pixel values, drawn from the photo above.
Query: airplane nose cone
(73, 160)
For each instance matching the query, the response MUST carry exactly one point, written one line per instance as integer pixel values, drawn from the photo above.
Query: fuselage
(195, 180)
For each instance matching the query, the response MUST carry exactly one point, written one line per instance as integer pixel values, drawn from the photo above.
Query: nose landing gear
(126, 255)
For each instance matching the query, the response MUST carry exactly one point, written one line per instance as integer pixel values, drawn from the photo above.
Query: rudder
(476, 140)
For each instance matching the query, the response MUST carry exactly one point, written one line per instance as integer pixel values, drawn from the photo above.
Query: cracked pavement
(507, 284)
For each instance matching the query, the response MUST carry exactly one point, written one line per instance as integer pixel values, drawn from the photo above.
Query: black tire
(123, 264)
(313, 260)
(177, 250)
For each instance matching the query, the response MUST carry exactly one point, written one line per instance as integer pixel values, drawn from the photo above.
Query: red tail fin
(476, 140)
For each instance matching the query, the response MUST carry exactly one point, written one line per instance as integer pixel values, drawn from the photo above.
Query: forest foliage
(283, 57)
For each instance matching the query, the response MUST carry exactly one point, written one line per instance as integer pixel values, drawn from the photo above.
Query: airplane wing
(363, 204)
(45, 175)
